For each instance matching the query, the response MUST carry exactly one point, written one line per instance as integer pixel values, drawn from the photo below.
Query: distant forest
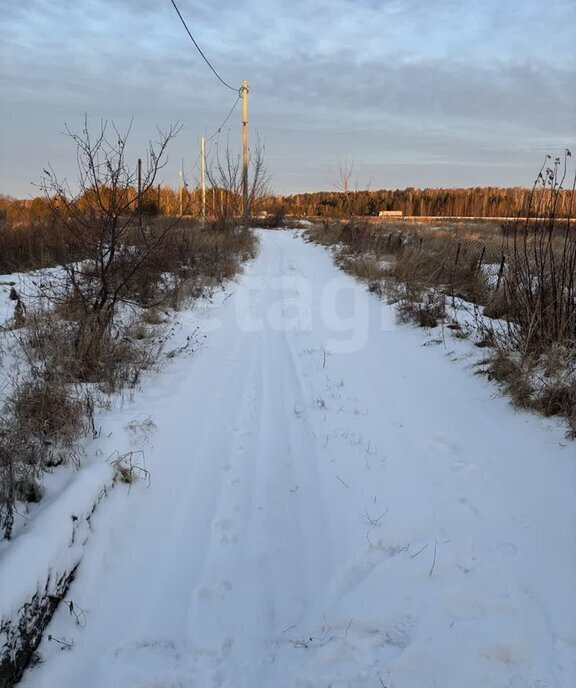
(471, 202)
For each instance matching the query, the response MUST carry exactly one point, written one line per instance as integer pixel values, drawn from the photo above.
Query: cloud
(444, 83)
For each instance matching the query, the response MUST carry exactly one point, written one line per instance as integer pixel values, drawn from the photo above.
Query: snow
(29, 286)
(6, 305)
(332, 503)
(53, 542)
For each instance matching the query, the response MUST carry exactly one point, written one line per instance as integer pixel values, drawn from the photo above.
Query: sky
(418, 93)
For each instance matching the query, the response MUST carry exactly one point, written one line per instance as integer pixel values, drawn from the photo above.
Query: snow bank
(38, 566)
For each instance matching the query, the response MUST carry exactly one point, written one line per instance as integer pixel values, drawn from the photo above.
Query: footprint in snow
(226, 527)
(224, 586)
(445, 440)
(207, 592)
(465, 503)
(229, 539)
(508, 549)
(224, 524)
(399, 633)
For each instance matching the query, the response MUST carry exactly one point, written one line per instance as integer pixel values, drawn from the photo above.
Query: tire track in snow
(286, 531)
(213, 626)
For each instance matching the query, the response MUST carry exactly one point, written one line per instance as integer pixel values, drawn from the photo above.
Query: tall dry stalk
(540, 280)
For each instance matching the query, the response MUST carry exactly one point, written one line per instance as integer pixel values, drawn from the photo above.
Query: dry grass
(522, 274)
(153, 316)
(425, 308)
(546, 385)
(45, 408)
(40, 423)
(194, 258)
(451, 259)
(129, 468)
(366, 267)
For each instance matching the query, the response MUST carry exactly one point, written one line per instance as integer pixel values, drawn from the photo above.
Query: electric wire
(236, 90)
(232, 88)
(224, 122)
(196, 166)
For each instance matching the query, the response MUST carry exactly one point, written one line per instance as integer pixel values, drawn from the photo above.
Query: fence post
(500, 272)
(480, 261)
(457, 255)
(140, 192)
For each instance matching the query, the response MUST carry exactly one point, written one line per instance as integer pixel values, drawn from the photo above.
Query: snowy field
(334, 501)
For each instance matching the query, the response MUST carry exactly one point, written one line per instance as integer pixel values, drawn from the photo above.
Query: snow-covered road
(332, 503)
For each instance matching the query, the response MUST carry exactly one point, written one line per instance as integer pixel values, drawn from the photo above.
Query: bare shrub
(225, 174)
(539, 284)
(537, 300)
(104, 217)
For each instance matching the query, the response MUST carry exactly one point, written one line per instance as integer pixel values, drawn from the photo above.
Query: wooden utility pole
(245, 208)
(180, 177)
(203, 169)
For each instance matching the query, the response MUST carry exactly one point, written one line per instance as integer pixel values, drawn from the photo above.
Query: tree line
(160, 200)
(467, 202)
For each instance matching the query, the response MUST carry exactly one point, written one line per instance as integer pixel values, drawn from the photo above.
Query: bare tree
(346, 182)
(342, 179)
(225, 174)
(103, 217)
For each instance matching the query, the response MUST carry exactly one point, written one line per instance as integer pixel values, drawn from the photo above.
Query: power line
(200, 50)
(208, 139)
(224, 122)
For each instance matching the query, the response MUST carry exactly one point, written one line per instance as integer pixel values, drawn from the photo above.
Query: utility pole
(203, 182)
(140, 192)
(245, 209)
(180, 178)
